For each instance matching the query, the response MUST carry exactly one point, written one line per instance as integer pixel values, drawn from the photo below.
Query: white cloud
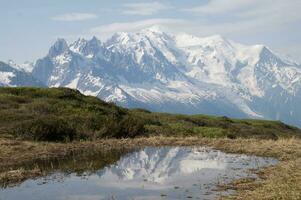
(221, 6)
(144, 8)
(247, 16)
(109, 29)
(69, 17)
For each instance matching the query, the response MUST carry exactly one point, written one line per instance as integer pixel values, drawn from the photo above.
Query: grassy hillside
(61, 114)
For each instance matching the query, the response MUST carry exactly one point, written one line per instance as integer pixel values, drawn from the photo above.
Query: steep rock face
(178, 73)
(12, 77)
(280, 82)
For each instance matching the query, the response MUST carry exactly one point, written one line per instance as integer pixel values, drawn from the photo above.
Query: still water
(150, 173)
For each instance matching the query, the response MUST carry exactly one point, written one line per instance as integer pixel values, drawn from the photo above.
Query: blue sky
(29, 27)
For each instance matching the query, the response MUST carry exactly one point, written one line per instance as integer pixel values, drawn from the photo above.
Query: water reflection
(151, 173)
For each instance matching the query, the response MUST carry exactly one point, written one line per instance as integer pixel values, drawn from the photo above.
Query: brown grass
(279, 182)
(13, 177)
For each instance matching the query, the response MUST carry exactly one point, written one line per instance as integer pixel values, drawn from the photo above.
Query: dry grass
(279, 182)
(13, 177)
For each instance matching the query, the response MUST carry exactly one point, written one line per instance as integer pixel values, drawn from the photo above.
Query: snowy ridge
(178, 73)
(26, 66)
(13, 76)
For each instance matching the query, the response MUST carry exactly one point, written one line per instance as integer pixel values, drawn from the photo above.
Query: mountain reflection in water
(151, 173)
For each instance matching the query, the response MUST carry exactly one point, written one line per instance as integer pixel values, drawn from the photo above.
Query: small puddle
(151, 173)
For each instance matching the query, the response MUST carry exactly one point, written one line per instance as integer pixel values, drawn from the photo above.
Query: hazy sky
(29, 27)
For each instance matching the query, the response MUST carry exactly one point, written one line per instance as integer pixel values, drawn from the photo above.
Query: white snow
(62, 59)
(117, 94)
(5, 78)
(73, 84)
(26, 66)
(77, 45)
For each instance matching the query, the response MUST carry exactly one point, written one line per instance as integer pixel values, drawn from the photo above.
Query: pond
(149, 173)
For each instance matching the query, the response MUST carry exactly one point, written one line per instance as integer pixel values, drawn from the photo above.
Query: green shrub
(132, 126)
(41, 108)
(157, 130)
(48, 128)
(210, 132)
(128, 126)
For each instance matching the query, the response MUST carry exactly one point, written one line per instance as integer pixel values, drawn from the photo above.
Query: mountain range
(165, 72)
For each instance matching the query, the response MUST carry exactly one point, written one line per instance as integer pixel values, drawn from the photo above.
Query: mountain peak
(12, 63)
(26, 66)
(60, 42)
(94, 41)
(119, 37)
(269, 56)
(94, 38)
(185, 40)
(80, 41)
(78, 45)
(58, 47)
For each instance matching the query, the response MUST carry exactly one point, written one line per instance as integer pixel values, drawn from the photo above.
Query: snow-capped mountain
(178, 73)
(25, 67)
(10, 76)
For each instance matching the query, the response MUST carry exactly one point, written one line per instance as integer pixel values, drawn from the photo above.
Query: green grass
(210, 132)
(61, 114)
